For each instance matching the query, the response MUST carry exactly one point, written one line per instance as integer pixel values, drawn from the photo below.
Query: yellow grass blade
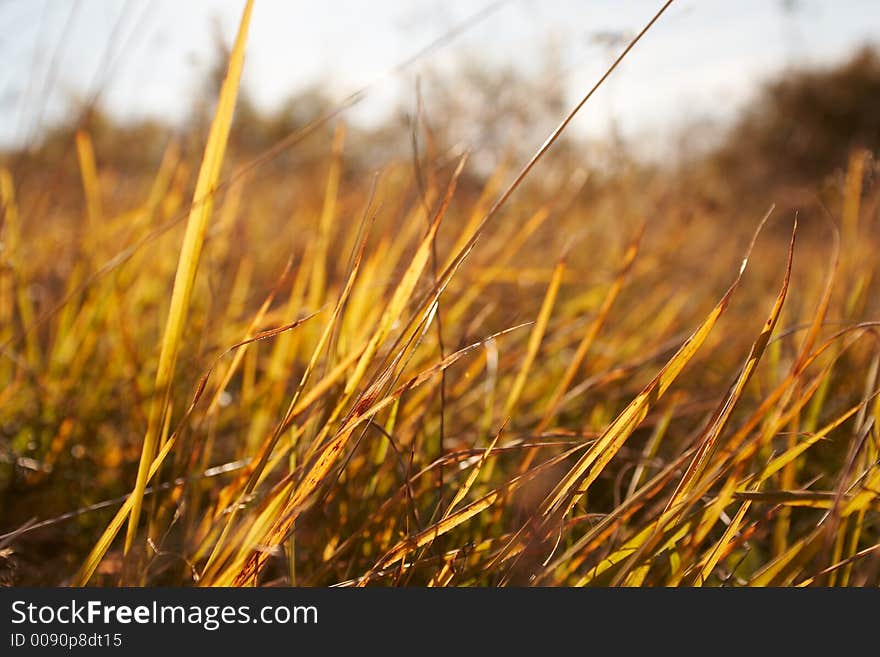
(404, 289)
(100, 548)
(328, 214)
(535, 338)
(793, 453)
(853, 194)
(327, 458)
(616, 557)
(770, 574)
(853, 546)
(575, 483)
(577, 480)
(268, 446)
(15, 294)
(187, 266)
(805, 498)
(650, 450)
(510, 249)
(251, 538)
(462, 492)
(866, 496)
(722, 413)
(448, 523)
(571, 559)
(713, 512)
(362, 414)
(91, 185)
(593, 330)
(718, 551)
(115, 525)
(628, 548)
(251, 332)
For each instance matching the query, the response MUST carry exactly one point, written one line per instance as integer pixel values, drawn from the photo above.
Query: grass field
(227, 373)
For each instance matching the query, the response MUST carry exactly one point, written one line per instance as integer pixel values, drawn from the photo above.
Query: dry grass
(398, 379)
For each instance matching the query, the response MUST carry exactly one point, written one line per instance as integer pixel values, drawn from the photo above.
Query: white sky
(703, 59)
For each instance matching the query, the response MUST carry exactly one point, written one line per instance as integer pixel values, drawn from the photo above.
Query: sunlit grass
(629, 392)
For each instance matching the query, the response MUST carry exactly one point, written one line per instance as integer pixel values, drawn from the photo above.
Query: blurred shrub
(804, 125)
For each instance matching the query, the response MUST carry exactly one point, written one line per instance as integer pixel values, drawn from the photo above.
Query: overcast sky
(703, 59)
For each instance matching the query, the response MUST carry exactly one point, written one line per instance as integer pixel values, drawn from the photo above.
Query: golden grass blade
(243, 568)
(637, 576)
(737, 447)
(576, 482)
(866, 496)
(103, 544)
(450, 522)
(325, 223)
(853, 546)
(684, 494)
(773, 573)
(306, 402)
(335, 318)
(252, 332)
(535, 338)
(444, 576)
(822, 309)
(507, 253)
(366, 409)
(404, 289)
(188, 265)
(722, 413)
(627, 550)
(616, 557)
(479, 211)
(744, 454)
(268, 446)
(462, 492)
(250, 539)
(574, 485)
(793, 453)
(853, 194)
(569, 561)
(91, 185)
(84, 574)
(789, 473)
(868, 551)
(650, 450)
(804, 498)
(720, 547)
(15, 294)
(285, 348)
(161, 188)
(713, 512)
(586, 343)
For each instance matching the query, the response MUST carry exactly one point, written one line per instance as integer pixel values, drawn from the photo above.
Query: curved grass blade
(722, 414)
(184, 279)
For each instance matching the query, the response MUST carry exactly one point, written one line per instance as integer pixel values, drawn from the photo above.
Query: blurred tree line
(804, 124)
(796, 135)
